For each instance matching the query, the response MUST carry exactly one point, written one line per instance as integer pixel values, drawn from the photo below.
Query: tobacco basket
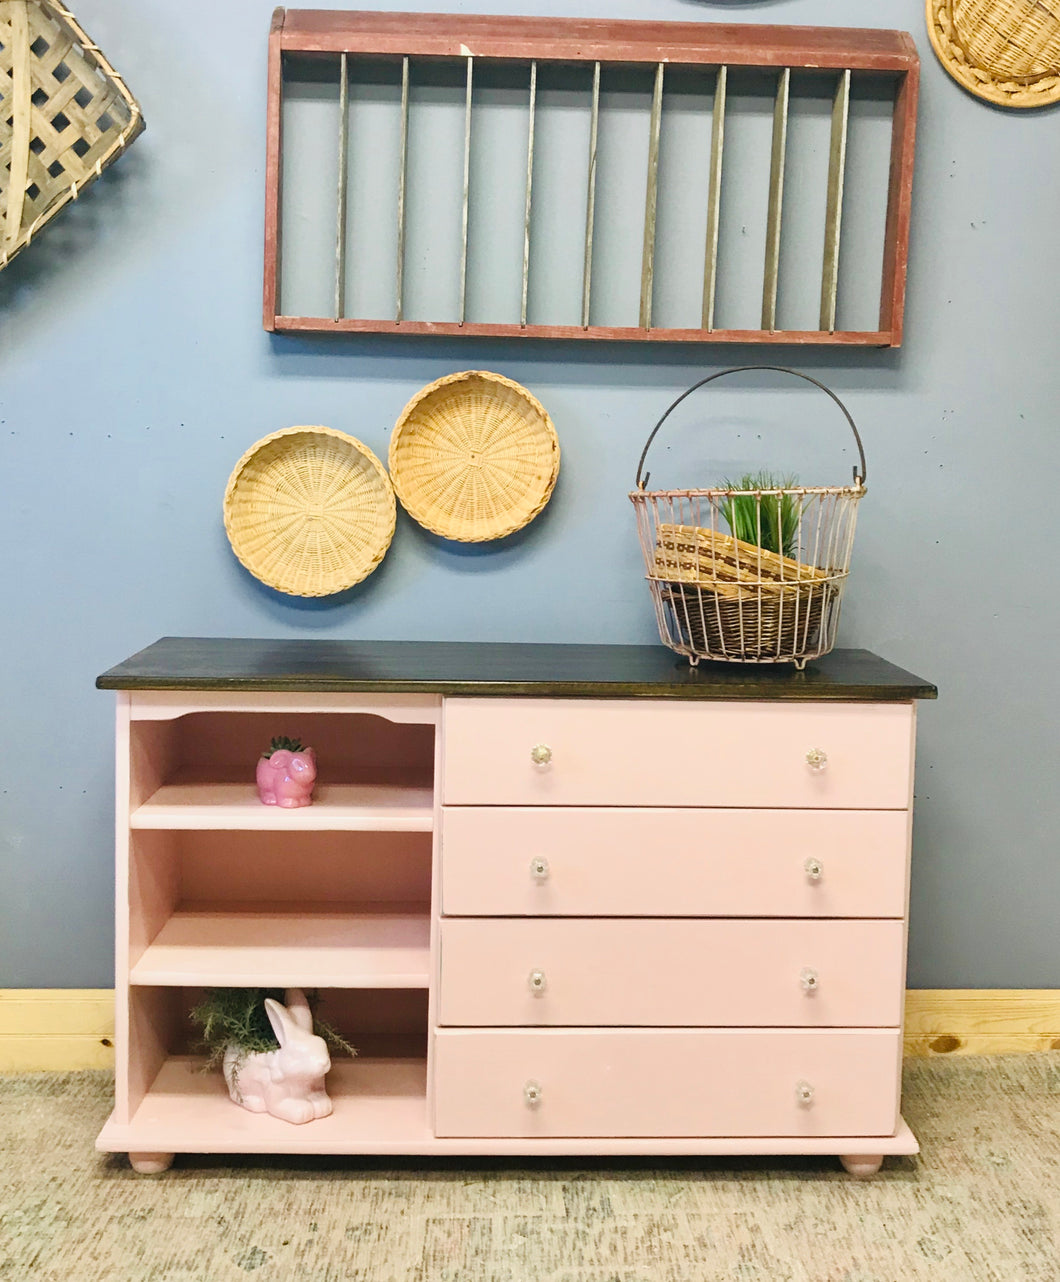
(65, 114)
(726, 598)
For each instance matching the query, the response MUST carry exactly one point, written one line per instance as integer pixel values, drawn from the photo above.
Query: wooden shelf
(350, 807)
(380, 1106)
(301, 945)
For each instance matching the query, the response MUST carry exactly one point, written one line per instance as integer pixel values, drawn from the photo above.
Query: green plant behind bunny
(237, 1017)
(755, 515)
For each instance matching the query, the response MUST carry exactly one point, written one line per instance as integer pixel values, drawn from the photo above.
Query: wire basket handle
(859, 475)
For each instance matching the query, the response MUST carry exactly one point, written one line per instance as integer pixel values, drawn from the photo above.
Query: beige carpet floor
(982, 1201)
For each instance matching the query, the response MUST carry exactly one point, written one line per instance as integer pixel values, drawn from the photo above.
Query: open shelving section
(217, 890)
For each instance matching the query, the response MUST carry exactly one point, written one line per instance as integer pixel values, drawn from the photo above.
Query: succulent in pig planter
(286, 773)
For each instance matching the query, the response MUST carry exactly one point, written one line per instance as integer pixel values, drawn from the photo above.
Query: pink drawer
(663, 1082)
(646, 971)
(651, 752)
(695, 863)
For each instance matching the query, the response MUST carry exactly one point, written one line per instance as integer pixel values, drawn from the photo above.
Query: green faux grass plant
(237, 1017)
(771, 521)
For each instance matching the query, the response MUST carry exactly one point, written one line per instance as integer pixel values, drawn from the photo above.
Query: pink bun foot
(150, 1163)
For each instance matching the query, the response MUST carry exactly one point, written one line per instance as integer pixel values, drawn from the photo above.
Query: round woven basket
(1005, 51)
(474, 457)
(309, 511)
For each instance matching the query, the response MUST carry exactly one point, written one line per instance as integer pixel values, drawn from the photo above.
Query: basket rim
(417, 511)
(386, 490)
(853, 491)
(1033, 91)
(747, 588)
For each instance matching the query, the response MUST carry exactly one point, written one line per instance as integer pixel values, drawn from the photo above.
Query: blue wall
(134, 372)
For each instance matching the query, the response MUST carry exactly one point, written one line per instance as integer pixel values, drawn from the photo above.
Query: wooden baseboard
(981, 1021)
(56, 1029)
(62, 1029)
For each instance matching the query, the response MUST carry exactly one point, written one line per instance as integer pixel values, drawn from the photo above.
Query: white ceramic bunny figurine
(287, 1082)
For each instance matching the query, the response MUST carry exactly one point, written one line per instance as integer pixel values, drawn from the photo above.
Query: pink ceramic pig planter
(286, 774)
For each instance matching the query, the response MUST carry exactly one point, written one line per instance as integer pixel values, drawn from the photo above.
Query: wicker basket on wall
(309, 511)
(718, 596)
(66, 115)
(474, 457)
(1005, 51)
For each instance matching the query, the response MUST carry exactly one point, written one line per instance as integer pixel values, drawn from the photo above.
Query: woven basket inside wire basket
(760, 625)
(309, 511)
(474, 457)
(727, 597)
(65, 114)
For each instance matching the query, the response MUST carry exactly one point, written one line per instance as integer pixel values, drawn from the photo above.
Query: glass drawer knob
(532, 1094)
(817, 759)
(814, 869)
(809, 979)
(541, 754)
(803, 1094)
(536, 982)
(539, 868)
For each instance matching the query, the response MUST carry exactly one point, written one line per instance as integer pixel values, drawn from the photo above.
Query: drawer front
(617, 971)
(621, 1082)
(677, 753)
(624, 862)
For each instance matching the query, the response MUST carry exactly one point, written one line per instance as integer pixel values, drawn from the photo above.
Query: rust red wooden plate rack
(659, 50)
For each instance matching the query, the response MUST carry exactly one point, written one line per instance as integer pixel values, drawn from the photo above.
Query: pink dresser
(564, 899)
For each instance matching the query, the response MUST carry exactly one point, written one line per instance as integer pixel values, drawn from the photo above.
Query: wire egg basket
(748, 575)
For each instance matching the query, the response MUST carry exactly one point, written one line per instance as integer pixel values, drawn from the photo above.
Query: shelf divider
(467, 190)
(529, 190)
(776, 201)
(340, 205)
(717, 148)
(837, 160)
(651, 199)
(590, 198)
(402, 179)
